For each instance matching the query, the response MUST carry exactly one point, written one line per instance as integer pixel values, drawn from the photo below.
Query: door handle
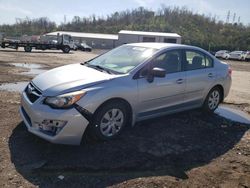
(210, 75)
(179, 81)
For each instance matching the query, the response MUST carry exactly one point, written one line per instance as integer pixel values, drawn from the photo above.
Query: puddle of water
(34, 69)
(14, 87)
(27, 65)
(233, 114)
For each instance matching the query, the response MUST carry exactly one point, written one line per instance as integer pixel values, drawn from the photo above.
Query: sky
(56, 9)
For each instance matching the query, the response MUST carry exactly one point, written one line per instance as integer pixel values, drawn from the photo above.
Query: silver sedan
(130, 83)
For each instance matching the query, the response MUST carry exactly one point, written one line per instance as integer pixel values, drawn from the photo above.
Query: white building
(108, 41)
(125, 37)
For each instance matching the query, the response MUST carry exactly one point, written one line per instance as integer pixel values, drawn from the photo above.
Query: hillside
(195, 29)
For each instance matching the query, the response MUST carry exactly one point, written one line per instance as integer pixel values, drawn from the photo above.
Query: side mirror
(156, 72)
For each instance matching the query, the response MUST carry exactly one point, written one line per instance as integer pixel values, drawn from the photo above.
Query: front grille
(32, 92)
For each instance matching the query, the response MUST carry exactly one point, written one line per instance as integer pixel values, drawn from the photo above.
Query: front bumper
(33, 114)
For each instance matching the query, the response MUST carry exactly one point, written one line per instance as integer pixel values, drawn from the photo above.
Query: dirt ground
(187, 149)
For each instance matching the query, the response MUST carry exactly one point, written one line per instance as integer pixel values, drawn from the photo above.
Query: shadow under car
(169, 145)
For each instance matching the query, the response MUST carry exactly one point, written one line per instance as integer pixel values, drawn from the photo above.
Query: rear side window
(197, 60)
(209, 61)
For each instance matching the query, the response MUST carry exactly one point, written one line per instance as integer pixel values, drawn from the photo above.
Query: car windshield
(122, 59)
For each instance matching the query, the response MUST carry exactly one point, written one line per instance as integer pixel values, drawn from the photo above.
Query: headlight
(65, 100)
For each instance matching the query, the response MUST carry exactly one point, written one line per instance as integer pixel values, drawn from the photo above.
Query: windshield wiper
(100, 68)
(85, 63)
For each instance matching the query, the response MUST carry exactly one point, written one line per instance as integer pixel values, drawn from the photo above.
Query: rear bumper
(235, 57)
(218, 55)
(33, 114)
(227, 85)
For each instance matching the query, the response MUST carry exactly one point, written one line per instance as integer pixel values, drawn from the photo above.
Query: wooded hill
(195, 29)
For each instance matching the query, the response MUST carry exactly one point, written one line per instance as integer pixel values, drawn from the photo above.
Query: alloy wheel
(112, 122)
(213, 100)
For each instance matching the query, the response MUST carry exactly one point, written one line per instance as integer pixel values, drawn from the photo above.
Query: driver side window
(170, 61)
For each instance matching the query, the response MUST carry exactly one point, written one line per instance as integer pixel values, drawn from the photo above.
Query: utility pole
(234, 18)
(239, 20)
(64, 20)
(228, 16)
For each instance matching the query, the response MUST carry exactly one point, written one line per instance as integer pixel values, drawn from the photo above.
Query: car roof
(222, 51)
(157, 45)
(163, 46)
(237, 51)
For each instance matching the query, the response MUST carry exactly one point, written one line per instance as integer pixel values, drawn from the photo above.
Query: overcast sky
(56, 9)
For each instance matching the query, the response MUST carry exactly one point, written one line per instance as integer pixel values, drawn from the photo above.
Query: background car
(83, 47)
(237, 55)
(226, 56)
(247, 56)
(222, 54)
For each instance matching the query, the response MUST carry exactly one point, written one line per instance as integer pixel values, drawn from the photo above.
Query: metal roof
(150, 33)
(86, 35)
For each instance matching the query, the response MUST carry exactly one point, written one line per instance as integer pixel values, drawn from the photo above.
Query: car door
(161, 94)
(200, 75)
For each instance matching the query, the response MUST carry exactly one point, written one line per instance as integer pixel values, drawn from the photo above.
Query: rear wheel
(27, 48)
(66, 49)
(212, 100)
(43, 47)
(109, 121)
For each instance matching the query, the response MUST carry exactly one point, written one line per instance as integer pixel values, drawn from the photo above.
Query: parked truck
(61, 42)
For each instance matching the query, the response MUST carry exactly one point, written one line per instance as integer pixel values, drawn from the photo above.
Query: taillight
(230, 71)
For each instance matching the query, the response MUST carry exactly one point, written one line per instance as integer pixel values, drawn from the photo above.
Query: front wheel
(109, 121)
(212, 100)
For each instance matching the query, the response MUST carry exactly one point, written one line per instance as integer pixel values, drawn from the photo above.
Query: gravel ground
(187, 149)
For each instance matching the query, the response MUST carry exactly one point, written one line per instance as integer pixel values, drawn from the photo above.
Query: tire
(109, 121)
(66, 49)
(43, 47)
(27, 48)
(15, 46)
(213, 100)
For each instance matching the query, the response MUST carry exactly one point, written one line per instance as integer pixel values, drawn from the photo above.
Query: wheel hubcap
(112, 122)
(213, 100)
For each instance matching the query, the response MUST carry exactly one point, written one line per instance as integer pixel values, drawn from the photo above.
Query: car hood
(69, 78)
